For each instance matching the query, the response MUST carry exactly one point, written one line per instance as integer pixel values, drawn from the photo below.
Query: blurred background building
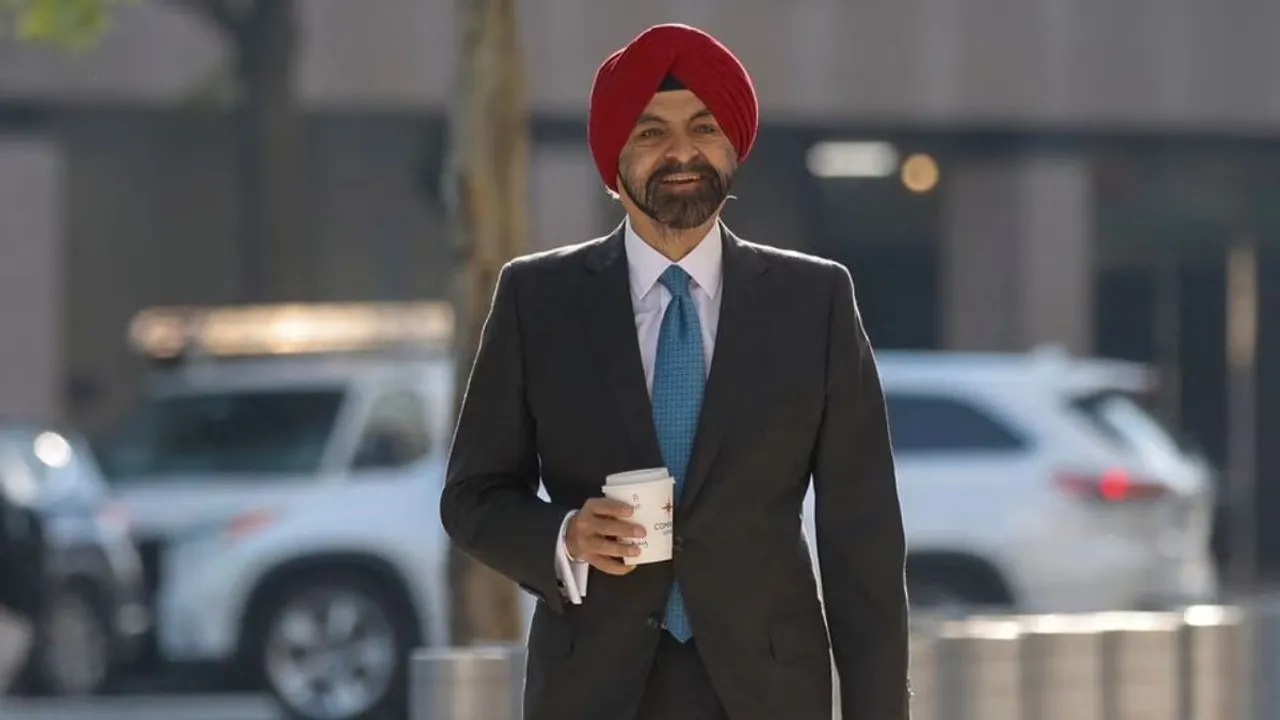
(996, 175)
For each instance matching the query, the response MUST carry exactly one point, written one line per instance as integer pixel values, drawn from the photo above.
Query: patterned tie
(679, 376)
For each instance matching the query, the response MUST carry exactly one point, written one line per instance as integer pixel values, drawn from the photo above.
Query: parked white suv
(284, 485)
(1039, 481)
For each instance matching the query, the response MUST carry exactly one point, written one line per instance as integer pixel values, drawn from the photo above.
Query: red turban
(628, 79)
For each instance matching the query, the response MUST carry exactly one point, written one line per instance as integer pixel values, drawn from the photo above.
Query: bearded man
(745, 372)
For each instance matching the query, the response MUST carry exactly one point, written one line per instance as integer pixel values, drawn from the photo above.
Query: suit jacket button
(653, 622)
(677, 544)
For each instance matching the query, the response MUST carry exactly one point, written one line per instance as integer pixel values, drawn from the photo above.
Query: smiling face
(677, 165)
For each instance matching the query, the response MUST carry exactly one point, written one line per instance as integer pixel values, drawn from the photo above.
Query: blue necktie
(679, 376)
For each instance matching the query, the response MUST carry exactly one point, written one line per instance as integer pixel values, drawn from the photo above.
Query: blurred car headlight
(52, 449)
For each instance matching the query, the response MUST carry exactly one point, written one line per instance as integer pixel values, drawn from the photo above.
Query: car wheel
(335, 649)
(73, 656)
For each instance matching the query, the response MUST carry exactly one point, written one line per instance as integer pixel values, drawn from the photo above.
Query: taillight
(1116, 485)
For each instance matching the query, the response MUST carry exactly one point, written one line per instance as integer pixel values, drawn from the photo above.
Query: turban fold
(627, 80)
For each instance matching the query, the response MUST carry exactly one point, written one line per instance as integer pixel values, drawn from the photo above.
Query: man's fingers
(611, 565)
(600, 545)
(610, 527)
(607, 507)
(595, 531)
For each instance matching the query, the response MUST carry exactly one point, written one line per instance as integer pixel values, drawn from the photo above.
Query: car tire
(73, 655)
(324, 631)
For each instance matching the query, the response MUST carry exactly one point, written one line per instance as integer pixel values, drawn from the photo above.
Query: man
(742, 369)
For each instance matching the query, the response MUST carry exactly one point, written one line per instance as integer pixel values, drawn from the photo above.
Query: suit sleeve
(490, 505)
(861, 544)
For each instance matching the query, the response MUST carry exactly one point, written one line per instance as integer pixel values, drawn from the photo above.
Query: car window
(937, 423)
(266, 432)
(397, 433)
(1121, 418)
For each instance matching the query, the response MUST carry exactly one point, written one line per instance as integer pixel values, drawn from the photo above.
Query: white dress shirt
(649, 300)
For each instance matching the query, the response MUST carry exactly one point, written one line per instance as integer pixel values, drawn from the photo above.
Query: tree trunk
(267, 134)
(487, 177)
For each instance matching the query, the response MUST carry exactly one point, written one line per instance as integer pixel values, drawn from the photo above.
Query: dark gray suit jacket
(557, 393)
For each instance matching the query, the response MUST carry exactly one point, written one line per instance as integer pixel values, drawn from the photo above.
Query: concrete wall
(1202, 64)
(1017, 249)
(32, 199)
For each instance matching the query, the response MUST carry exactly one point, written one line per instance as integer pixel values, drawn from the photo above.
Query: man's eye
(706, 129)
(650, 133)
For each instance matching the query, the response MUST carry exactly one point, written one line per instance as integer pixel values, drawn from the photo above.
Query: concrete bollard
(484, 682)
(1261, 635)
(1141, 665)
(1215, 668)
(1060, 661)
(978, 674)
(923, 673)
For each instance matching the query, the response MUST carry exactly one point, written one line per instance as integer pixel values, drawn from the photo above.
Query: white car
(285, 497)
(1038, 482)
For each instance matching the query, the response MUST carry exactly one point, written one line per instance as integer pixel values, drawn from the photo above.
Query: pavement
(173, 707)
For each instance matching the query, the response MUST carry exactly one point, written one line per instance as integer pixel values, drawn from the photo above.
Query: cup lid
(636, 476)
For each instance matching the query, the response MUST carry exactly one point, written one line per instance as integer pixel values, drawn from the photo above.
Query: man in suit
(743, 370)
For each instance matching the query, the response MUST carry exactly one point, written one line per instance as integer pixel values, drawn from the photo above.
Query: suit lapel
(611, 330)
(738, 340)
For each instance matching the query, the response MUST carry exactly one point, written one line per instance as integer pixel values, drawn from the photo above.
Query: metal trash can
(977, 675)
(485, 682)
(1141, 665)
(1215, 665)
(1061, 666)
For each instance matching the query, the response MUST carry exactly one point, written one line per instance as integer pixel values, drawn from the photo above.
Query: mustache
(695, 167)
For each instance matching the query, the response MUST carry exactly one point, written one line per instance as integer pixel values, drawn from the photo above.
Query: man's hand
(595, 534)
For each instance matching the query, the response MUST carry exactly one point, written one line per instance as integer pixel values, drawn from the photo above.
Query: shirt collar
(646, 265)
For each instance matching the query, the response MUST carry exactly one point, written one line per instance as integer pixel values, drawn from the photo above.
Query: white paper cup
(651, 494)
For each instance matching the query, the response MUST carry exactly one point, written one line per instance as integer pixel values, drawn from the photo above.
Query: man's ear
(621, 191)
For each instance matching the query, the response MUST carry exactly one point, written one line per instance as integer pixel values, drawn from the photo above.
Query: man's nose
(682, 150)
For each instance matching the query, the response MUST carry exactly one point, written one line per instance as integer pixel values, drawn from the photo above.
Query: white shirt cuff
(572, 574)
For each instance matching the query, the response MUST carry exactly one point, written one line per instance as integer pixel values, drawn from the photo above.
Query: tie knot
(676, 280)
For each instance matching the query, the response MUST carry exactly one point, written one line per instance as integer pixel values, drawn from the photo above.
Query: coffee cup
(651, 495)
